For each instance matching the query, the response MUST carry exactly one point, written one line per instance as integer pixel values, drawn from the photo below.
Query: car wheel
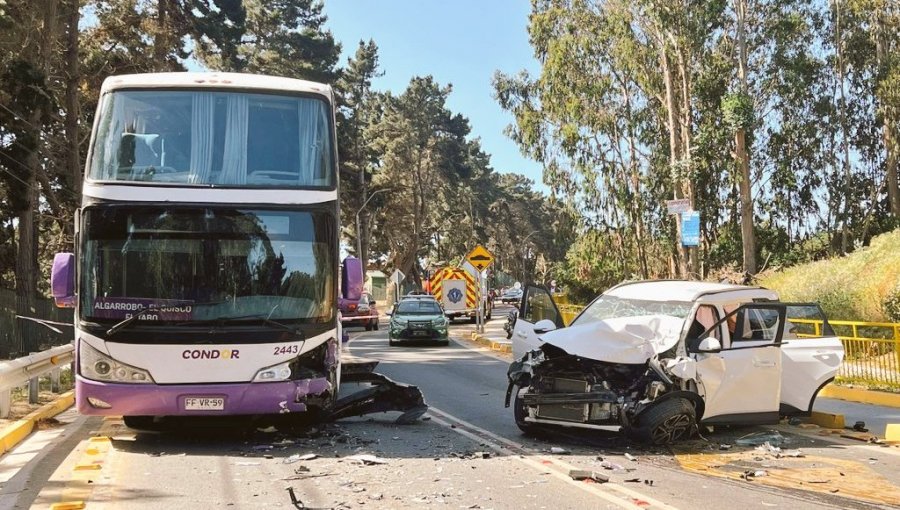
(473, 319)
(391, 342)
(519, 413)
(445, 342)
(664, 423)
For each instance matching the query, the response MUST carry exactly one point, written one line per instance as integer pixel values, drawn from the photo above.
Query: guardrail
(28, 369)
(871, 350)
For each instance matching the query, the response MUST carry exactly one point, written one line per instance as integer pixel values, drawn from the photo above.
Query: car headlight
(279, 372)
(440, 322)
(399, 322)
(97, 366)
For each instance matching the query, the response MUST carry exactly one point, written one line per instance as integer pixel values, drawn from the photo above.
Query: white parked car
(660, 357)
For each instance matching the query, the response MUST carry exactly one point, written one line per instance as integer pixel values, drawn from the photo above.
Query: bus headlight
(97, 366)
(279, 372)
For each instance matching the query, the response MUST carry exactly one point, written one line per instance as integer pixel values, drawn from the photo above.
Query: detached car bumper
(106, 399)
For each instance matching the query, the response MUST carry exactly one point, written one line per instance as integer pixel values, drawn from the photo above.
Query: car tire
(664, 423)
(519, 413)
(473, 319)
(444, 342)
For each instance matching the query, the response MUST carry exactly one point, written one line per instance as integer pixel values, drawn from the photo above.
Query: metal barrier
(28, 369)
(871, 350)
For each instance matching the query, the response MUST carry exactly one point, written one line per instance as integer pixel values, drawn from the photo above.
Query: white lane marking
(621, 503)
(524, 450)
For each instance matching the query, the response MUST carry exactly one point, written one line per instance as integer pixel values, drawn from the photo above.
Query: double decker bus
(205, 275)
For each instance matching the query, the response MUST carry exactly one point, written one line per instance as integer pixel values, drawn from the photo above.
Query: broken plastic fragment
(559, 451)
(268, 430)
(630, 457)
(367, 460)
(584, 474)
(759, 438)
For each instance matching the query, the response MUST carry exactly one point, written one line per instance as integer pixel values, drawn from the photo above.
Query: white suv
(660, 357)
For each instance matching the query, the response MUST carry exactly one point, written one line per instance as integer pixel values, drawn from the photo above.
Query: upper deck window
(229, 139)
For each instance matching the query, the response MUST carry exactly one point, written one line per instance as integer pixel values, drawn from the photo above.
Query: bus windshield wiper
(119, 326)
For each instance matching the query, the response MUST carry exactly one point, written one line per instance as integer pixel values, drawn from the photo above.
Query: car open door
(811, 355)
(741, 383)
(536, 305)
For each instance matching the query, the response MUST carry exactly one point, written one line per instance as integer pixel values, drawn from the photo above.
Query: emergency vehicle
(456, 289)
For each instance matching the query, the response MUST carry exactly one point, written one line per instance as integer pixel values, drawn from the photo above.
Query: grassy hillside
(864, 285)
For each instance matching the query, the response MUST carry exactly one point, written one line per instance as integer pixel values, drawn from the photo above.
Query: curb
(15, 432)
(494, 345)
(878, 398)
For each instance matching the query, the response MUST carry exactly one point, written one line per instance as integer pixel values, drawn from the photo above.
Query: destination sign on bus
(124, 307)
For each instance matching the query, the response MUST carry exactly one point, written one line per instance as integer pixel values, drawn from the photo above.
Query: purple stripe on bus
(168, 400)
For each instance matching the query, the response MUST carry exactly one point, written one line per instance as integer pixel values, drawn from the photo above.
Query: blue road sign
(690, 228)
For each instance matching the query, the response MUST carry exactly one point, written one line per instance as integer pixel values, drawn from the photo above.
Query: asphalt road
(466, 453)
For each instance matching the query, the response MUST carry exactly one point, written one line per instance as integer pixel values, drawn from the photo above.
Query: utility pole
(359, 232)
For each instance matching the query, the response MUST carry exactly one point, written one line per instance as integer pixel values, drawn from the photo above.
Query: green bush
(861, 286)
(892, 305)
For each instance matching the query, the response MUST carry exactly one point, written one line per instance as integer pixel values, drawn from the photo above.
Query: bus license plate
(204, 403)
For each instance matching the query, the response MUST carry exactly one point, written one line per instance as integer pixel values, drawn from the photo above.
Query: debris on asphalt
(367, 460)
(559, 451)
(263, 447)
(795, 421)
(633, 480)
(584, 474)
(759, 438)
(725, 446)
(246, 463)
(611, 466)
(859, 426)
(297, 457)
(630, 457)
(750, 473)
(268, 430)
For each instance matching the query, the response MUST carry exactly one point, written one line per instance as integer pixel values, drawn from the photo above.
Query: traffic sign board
(690, 228)
(480, 258)
(678, 206)
(397, 276)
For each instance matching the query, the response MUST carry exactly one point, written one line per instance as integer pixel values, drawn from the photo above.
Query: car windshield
(418, 307)
(234, 139)
(201, 264)
(612, 307)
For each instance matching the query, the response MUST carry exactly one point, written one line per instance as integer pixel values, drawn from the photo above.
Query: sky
(459, 42)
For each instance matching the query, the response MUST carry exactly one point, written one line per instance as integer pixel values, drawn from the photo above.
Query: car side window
(705, 318)
(539, 306)
(753, 324)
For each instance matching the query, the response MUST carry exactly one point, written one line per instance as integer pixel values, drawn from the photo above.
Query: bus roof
(207, 80)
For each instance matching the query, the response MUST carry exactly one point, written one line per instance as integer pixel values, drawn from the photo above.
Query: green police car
(418, 319)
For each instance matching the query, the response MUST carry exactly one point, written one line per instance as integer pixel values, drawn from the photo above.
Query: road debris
(297, 457)
(760, 438)
(725, 446)
(750, 473)
(559, 451)
(778, 452)
(612, 466)
(367, 460)
(584, 474)
(630, 457)
(268, 430)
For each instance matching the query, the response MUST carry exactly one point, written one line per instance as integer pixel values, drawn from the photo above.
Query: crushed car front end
(621, 384)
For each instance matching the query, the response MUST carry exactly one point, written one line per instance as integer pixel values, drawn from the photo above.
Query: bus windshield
(202, 264)
(229, 139)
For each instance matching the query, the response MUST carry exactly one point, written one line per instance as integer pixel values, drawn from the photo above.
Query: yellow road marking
(79, 488)
(811, 473)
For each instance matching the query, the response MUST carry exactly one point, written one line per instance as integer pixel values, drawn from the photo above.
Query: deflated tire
(669, 421)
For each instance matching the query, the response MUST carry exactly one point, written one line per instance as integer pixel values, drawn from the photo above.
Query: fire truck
(457, 290)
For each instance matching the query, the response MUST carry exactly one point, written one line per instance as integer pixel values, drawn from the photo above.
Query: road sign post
(396, 277)
(481, 259)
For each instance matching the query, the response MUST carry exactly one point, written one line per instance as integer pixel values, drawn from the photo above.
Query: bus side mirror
(62, 280)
